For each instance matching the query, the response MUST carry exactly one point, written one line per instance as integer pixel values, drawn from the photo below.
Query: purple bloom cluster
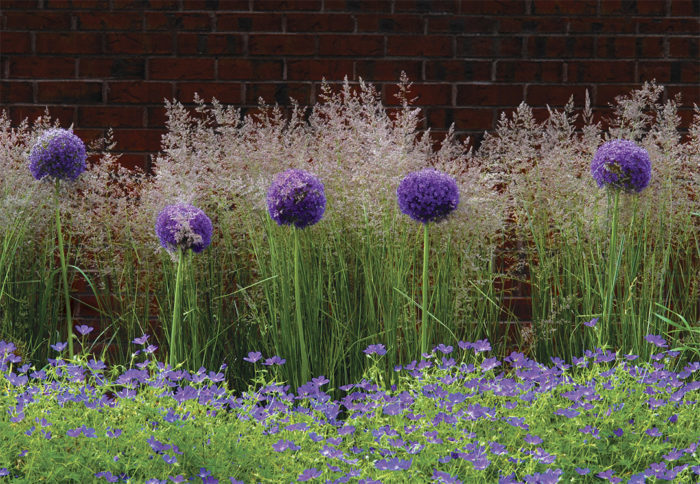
(183, 226)
(296, 197)
(58, 154)
(427, 195)
(621, 164)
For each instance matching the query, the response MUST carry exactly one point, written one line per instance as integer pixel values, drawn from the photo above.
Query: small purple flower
(377, 349)
(532, 439)
(654, 432)
(481, 346)
(427, 195)
(591, 323)
(282, 445)
(183, 226)
(490, 364)
(141, 341)
(583, 471)
(618, 432)
(59, 347)
(275, 360)
(309, 474)
(656, 340)
(621, 164)
(253, 356)
(296, 197)
(84, 329)
(393, 464)
(58, 154)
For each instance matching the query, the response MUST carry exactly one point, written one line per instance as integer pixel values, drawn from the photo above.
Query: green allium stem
(64, 273)
(175, 331)
(611, 273)
(424, 309)
(305, 373)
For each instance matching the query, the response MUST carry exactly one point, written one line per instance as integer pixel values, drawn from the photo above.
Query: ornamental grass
(599, 228)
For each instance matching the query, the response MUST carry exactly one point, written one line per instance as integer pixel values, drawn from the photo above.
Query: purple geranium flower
(141, 341)
(183, 226)
(59, 346)
(296, 197)
(393, 464)
(427, 195)
(656, 340)
(621, 164)
(309, 474)
(377, 349)
(591, 323)
(84, 329)
(59, 154)
(253, 356)
(275, 360)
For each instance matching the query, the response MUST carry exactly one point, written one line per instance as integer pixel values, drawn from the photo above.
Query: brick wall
(101, 63)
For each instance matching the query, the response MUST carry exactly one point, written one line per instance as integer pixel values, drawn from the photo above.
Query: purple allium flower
(296, 197)
(59, 154)
(621, 164)
(427, 195)
(377, 349)
(183, 226)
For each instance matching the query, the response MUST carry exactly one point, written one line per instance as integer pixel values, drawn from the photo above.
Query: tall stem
(64, 272)
(612, 269)
(305, 373)
(425, 291)
(175, 332)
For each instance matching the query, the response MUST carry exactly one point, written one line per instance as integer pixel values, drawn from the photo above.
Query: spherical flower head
(183, 226)
(621, 164)
(59, 154)
(296, 197)
(428, 195)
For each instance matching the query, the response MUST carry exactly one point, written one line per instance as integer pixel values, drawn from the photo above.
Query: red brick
(288, 5)
(212, 44)
(139, 43)
(674, 26)
(139, 139)
(473, 118)
(110, 116)
(690, 72)
(157, 116)
(109, 21)
(457, 70)
(51, 67)
(351, 45)
(684, 47)
(227, 93)
(504, 46)
(63, 114)
(528, 71)
(424, 94)
(541, 25)
(616, 47)
(390, 24)
(599, 25)
(601, 71)
(37, 20)
(637, 7)
(465, 24)
(419, 46)
(178, 21)
(542, 95)
(489, 95)
(132, 161)
(289, 44)
(131, 92)
(325, 22)
(685, 8)
(689, 94)
(218, 5)
(153, 5)
(19, 4)
(279, 93)
(77, 4)
(259, 70)
(661, 71)
(387, 70)
(559, 47)
(16, 92)
(110, 67)
(493, 7)
(160, 68)
(557, 7)
(357, 6)
(15, 42)
(68, 43)
(314, 70)
(606, 94)
(69, 92)
(248, 22)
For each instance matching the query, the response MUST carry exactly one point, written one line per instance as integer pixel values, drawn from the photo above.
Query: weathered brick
(108, 21)
(15, 42)
(489, 46)
(528, 71)
(260, 70)
(601, 71)
(171, 68)
(465, 24)
(20, 112)
(555, 7)
(112, 68)
(16, 92)
(77, 4)
(390, 24)
(45, 67)
(685, 8)
(69, 43)
(356, 6)
(278, 44)
(110, 116)
(424, 94)
(685, 47)
(249, 22)
(133, 92)
(563, 47)
(543, 94)
(288, 5)
(279, 93)
(419, 46)
(489, 95)
(69, 92)
(308, 22)
(387, 70)
(458, 70)
(209, 44)
(473, 118)
(177, 21)
(616, 47)
(673, 26)
(304, 70)
(493, 7)
(145, 139)
(428, 6)
(351, 45)
(138, 43)
(228, 93)
(37, 20)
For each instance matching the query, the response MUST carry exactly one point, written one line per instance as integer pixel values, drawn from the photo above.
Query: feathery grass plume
(297, 198)
(182, 228)
(427, 196)
(59, 155)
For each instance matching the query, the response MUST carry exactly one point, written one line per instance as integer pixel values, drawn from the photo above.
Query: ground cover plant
(294, 235)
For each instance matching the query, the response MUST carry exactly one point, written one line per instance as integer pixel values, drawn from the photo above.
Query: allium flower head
(183, 226)
(621, 164)
(59, 154)
(427, 195)
(296, 197)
